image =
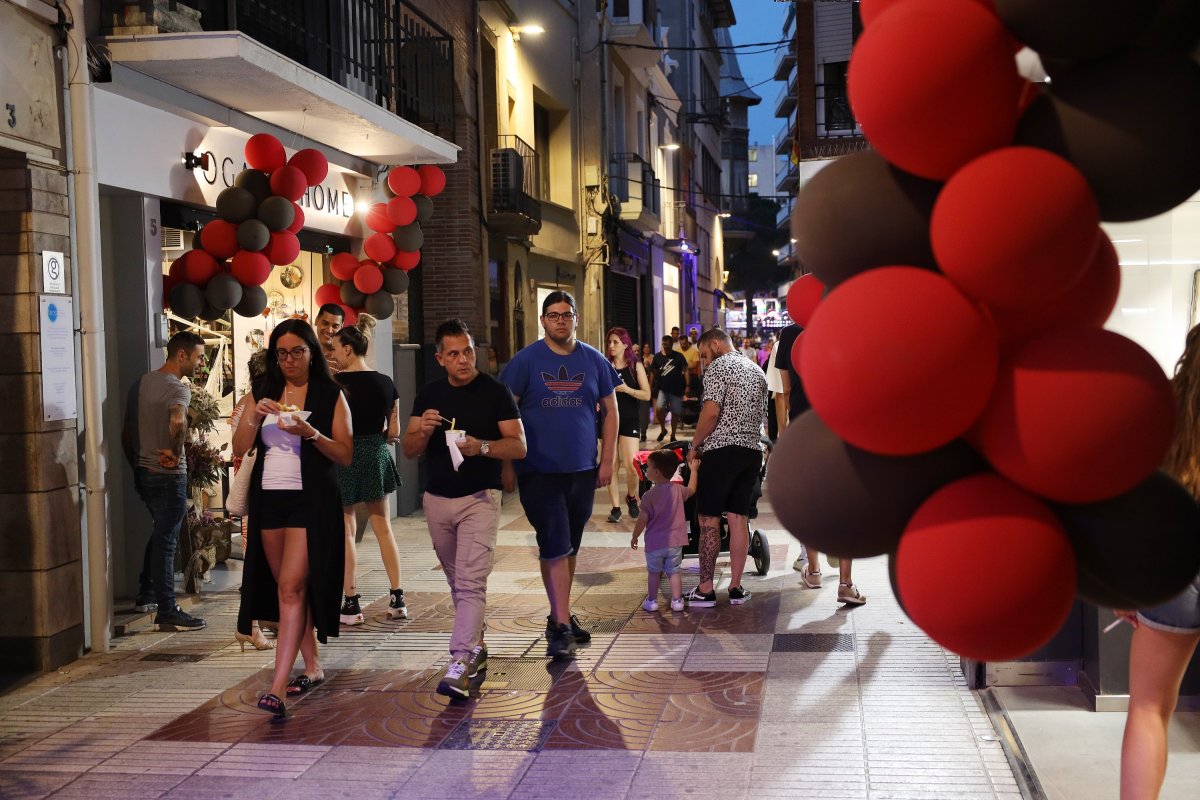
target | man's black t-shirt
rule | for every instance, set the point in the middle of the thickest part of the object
(671, 370)
(477, 408)
(797, 399)
(371, 396)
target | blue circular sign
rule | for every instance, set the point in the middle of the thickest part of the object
(52, 312)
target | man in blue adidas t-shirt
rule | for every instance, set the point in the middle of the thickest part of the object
(558, 382)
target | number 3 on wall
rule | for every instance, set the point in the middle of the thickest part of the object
(12, 114)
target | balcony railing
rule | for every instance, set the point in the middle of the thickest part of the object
(632, 181)
(517, 171)
(383, 50)
(834, 115)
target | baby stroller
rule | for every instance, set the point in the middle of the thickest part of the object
(759, 551)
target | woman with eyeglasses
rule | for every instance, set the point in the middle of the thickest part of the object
(295, 554)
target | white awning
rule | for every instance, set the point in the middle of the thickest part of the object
(229, 68)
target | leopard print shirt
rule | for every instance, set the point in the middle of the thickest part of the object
(739, 387)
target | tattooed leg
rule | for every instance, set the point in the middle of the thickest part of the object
(710, 546)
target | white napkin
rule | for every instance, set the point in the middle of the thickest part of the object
(456, 458)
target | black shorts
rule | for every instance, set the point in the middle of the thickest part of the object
(281, 508)
(558, 506)
(728, 477)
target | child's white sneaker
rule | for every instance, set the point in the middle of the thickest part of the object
(677, 604)
(650, 604)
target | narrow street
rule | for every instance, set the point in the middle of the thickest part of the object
(788, 696)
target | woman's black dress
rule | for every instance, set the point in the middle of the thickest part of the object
(326, 535)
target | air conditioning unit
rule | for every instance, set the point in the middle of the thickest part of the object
(507, 179)
(172, 239)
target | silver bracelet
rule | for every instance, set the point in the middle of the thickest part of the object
(316, 435)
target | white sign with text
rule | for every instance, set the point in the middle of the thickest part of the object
(58, 358)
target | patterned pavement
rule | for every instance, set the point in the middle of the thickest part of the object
(790, 695)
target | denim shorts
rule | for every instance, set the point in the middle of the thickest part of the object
(665, 560)
(1180, 615)
(558, 505)
(673, 402)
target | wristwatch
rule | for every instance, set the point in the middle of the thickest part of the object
(484, 448)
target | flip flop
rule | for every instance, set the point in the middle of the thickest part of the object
(302, 684)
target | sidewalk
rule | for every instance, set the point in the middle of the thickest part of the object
(788, 696)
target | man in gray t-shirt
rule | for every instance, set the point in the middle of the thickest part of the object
(155, 428)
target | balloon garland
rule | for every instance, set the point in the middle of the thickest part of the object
(392, 250)
(256, 226)
(971, 418)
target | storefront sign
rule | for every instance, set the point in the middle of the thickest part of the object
(58, 358)
(54, 273)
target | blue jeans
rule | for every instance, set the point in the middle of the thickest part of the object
(165, 495)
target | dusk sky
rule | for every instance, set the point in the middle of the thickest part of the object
(760, 21)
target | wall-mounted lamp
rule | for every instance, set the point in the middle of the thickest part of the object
(724, 215)
(363, 206)
(775, 253)
(194, 160)
(671, 146)
(532, 30)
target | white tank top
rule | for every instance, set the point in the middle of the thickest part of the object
(281, 463)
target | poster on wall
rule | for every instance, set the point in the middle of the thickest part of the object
(58, 358)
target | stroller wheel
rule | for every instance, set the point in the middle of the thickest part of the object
(760, 551)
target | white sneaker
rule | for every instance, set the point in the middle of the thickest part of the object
(849, 594)
(677, 604)
(650, 604)
(801, 563)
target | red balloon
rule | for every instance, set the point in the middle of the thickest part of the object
(1089, 302)
(298, 220)
(250, 268)
(284, 248)
(404, 181)
(219, 238)
(1015, 228)
(378, 219)
(176, 270)
(433, 180)
(1078, 416)
(368, 279)
(199, 267)
(351, 316)
(169, 282)
(797, 352)
(401, 211)
(949, 583)
(897, 362)
(380, 247)
(802, 298)
(288, 182)
(312, 163)
(923, 63)
(405, 260)
(265, 152)
(329, 293)
(343, 266)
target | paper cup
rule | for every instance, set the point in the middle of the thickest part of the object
(455, 436)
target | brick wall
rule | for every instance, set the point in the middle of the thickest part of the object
(453, 258)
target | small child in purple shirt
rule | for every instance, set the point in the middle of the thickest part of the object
(663, 520)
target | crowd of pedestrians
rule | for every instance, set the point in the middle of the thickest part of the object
(563, 420)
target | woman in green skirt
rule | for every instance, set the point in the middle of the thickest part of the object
(371, 476)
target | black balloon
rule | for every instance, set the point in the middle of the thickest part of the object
(211, 312)
(253, 235)
(187, 300)
(380, 305)
(859, 213)
(223, 292)
(255, 182)
(1076, 29)
(424, 208)
(254, 300)
(277, 213)
(848, 502)
(409, 238)
(1128, 123)
(351, 296)
(395, 281)
(1138, 549)
(235, 204)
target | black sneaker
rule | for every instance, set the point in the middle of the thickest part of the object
(177, 620)
(662, 435)
(632, 502)
(144, 605)
(396, 607)
(699, 599)
(560, 644)
(351, 613)
(614, 515)
(581, 636)
(738, 595)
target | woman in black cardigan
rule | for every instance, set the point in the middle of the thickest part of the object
(293, 567)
